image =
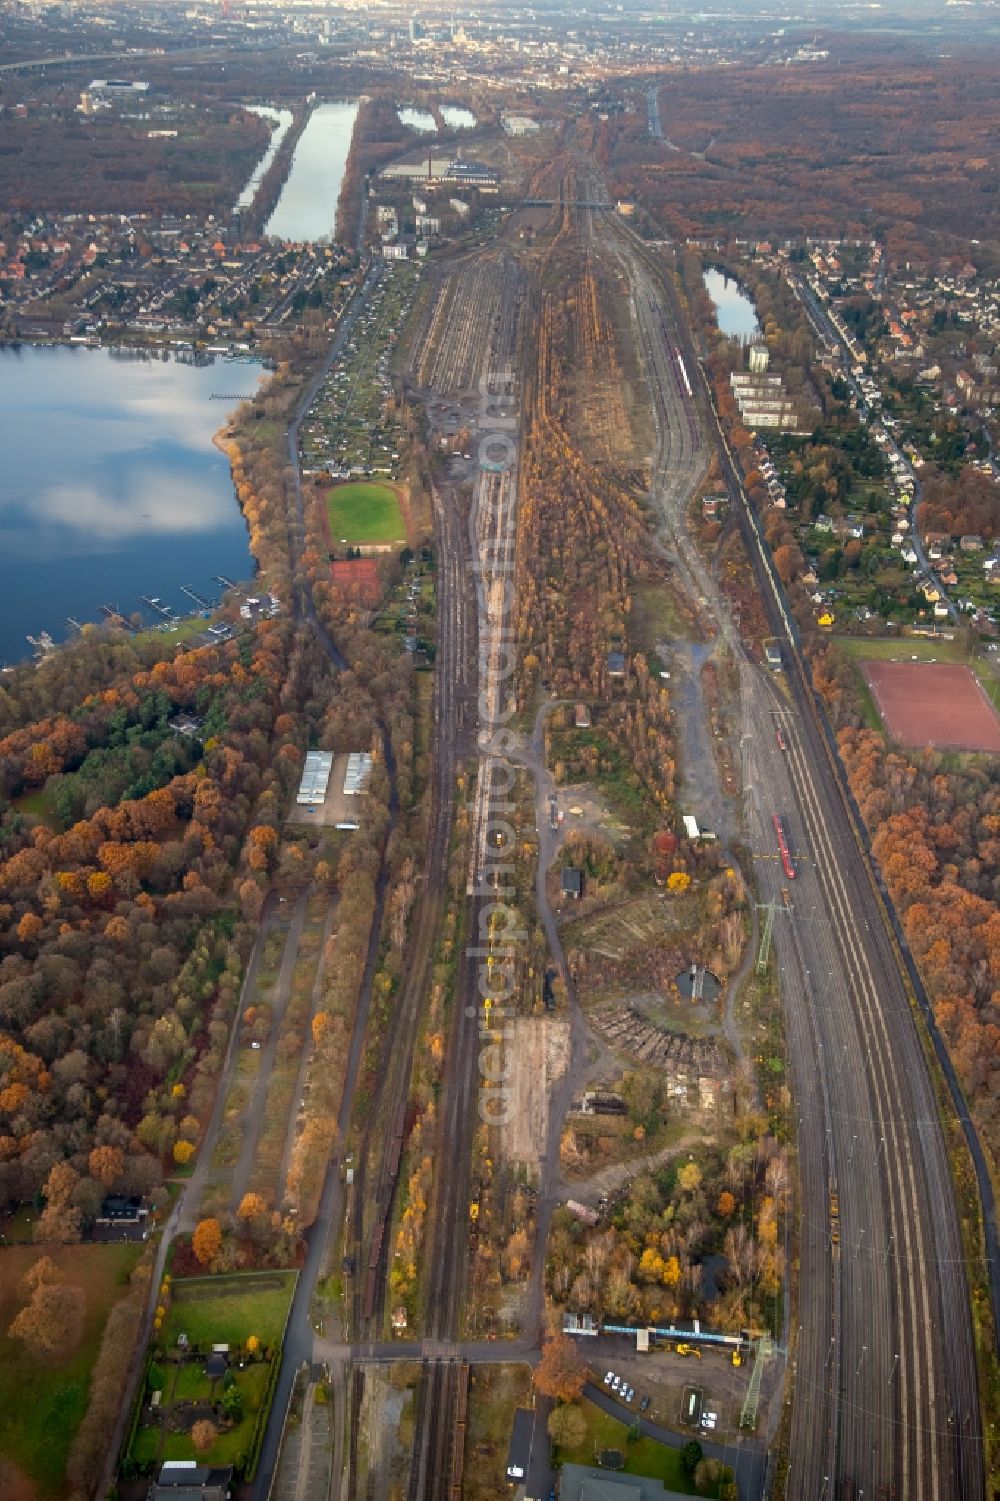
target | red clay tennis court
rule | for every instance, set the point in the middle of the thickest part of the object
(933, 703)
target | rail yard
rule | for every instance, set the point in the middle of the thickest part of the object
(882, 1397)
(883, 1402)
(504, 1000)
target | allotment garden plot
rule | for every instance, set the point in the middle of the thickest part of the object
(353, 428)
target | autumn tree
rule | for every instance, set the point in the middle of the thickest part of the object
(567, 1425)
(105, 1164)
(689, 1177)
(41, 1271)
(203, 1435)
(707, 1475)
(252, 1208)
(59, 1222)
(561, 1372)
(51, 1323)
(206, 1241)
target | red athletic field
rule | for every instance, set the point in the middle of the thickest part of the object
(933, 703)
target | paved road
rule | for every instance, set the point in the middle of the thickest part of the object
(253, 1117)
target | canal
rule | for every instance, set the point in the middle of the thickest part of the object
(734, 312)
(282, 119)
(112, 487)
(307, 208)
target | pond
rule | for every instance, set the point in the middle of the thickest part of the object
(696, 983)
(111, 486)
(416, 119)
(734, 311)
(458, 118)
(307, 208)
(282, 121)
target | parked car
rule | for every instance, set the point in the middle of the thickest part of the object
(644, 1404)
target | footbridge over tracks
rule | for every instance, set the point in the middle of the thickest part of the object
(564, 203)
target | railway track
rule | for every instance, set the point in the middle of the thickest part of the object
(885, 1387)
(453, 358)
(382, 1146)
(439, 1442)
(884, 1397)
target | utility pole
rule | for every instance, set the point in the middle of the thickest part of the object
(764, 952)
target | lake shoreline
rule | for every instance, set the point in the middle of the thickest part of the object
(124, 500)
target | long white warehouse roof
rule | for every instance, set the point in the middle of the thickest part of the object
(315, 777)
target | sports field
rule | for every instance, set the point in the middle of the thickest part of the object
(364, 512)
(933, 703)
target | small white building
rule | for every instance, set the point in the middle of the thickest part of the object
(520, 125)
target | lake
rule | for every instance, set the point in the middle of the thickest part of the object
(416, 119)
(111, 486)
(283, 119)
(458, 118)
(307, 208)
(734, 312)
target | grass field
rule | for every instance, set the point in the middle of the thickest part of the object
(39, 805)
(41, 1405)
(901, 648)
(223, 1310)
(859, 649)
(226, 1310)
(642, 1457)
(364, 512)
(187, 1383)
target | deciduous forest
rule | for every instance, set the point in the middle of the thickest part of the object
(855, 145)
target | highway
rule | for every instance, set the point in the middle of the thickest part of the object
(883, 1375)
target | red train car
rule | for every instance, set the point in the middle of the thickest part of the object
(786, 859)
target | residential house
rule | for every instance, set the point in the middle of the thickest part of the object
(187, 1480)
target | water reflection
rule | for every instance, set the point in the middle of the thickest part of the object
(111, 486)
(457, 117)
(734, 312)
(307, 208)
(283, 119)
(416, 119)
